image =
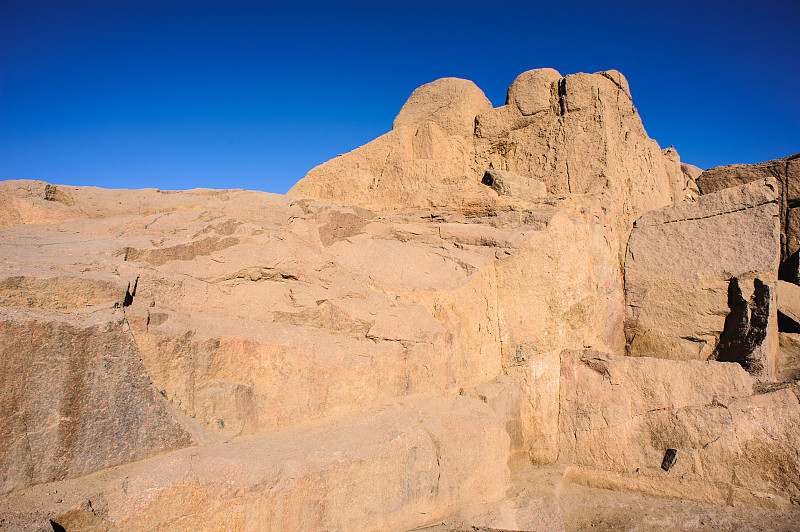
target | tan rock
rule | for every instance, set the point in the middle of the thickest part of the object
(511, 184)
(75, 398)
(450, 103)
(585, 143)
(391, 468)
(678, 291)
(622, 414)
(789, 357)
(786, 172)
(788, 296)
(531, 91)
(578, 134)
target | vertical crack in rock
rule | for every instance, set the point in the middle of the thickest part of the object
(562, 95)
(745, 326)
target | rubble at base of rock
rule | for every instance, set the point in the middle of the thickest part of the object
(472, 321)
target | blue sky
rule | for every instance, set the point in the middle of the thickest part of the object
(243, 94)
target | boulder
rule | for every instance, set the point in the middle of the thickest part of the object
(426, 160)
(786, 172)
(621, 416)
(578, 134)
(450, 103)
(690, 270)
(531, 91)
(788, 295)
(789, 357)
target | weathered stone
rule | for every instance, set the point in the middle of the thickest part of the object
(578, 134)
(427, 160)
(620, 414)
(75, 398)
(680, 266)
(450, 103)
(314, 352)
(789, 357)
(732, 175)
(786, 173)
(503, 396)
(511, 184)
(532, 91)
(788, 300)
(384, 469)
(585, 143)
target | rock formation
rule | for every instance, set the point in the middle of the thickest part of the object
(419, 323)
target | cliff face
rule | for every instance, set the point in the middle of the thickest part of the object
(467, 295)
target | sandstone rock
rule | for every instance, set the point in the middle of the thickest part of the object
(788, 295)
(578, 134)
(620, 414)
(584, 143)
(503, 396)
(677, 291)
(426, 160)
(511, 184)
(531, 91)
(450, 103)
(252, 311)
(385, 469)
(75, 398)
(786, 172)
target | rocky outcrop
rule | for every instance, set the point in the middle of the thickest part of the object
(425, 161)
(786, 172)
(382, 469)
(221, 358)
(700, 279)
(620, 417)
(578, 134)
(75, 398)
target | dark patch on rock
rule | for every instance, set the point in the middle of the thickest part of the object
(745, 326)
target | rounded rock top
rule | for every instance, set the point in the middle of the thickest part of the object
(452, 103)
(530, 92)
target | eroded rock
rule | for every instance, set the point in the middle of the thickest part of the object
(679, 271)
(619, 415)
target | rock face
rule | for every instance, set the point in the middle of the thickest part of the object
(578, 134)
(786, 172)
(511, 184)
(376, 470)
(421, 316)
(702, 257)
(76, 398)
(425, 161)
(622, 414)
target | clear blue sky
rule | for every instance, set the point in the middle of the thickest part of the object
(180, 94)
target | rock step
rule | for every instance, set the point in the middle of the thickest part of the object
(394, 467)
